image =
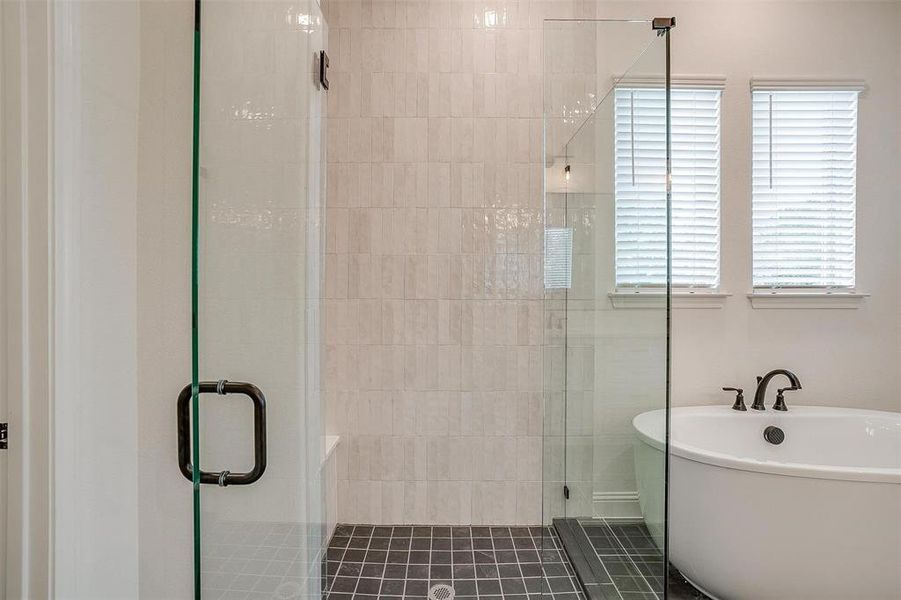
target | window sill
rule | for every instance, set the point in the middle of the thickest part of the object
(806, 299)
(681, 298)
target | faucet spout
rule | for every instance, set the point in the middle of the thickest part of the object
(762, 382)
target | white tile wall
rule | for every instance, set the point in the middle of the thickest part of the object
(433, 270)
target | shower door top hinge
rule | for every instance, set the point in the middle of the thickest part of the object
(4, 434)
(663, 24)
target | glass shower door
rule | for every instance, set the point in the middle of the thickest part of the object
(606, 302)
(249, 424)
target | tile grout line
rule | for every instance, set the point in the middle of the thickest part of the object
(603, 564)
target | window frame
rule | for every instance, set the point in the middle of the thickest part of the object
(807, 296)
(690, 295)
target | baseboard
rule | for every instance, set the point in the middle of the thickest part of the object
(616, 505)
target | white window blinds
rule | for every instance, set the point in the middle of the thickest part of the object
(558, 257)
(641, 187)
(804, 172)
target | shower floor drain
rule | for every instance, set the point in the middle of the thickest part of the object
(441, 591)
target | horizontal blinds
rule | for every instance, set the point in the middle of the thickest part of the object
(558, 261)
(640, 173)
(804, 179)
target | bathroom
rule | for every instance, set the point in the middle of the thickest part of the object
(406, 280)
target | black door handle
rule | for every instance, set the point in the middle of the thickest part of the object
(183, 413)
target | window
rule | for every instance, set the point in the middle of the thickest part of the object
(641, 190)
(804, 171)
(558, 257)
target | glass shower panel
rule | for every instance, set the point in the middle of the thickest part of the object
(605, 347)
(258, 216)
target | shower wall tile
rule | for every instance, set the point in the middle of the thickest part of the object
(433, 311)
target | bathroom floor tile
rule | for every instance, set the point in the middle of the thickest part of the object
(479, 563)
(618, 559)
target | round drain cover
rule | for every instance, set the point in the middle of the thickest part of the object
(774, 435)
(441, 591)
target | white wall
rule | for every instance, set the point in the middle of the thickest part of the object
(843, 357)
(164, 294)
(95, 422)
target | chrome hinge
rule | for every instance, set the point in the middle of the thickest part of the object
(4, 434)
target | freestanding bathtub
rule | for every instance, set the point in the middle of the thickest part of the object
(817, 516)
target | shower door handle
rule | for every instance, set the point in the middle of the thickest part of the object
(183, 412)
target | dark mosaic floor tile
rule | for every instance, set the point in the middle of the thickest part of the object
(372, 570)
(344, 584)
(509, 570)
(466, 587)
(417, 587)
(483, 543)
(531, 569)
(464, 571)
(418, 543)
(368, 586)
(418, 571)
(462, 544)
(392, 587)
(503, 543)
(396, 571)
(480, 563)
(513, 586)
(348, 569)
(379, 543)
(381, 532)
(488, 587)
(443, 544)
(487, 571)
(440, 572)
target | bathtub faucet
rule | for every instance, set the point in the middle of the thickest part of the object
(762, 382)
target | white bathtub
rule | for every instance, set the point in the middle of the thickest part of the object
(816, 517)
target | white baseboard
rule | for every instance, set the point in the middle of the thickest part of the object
(616, 505)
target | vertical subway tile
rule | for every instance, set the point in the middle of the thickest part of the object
(432, 326)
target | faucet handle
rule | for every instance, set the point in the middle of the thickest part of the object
(780, 399)
(739, 398)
